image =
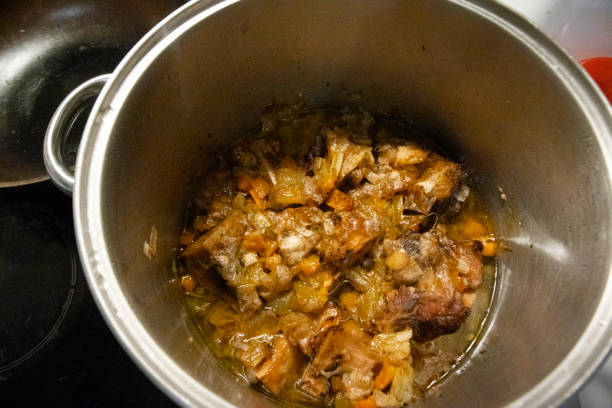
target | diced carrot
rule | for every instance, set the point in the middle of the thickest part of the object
(258, 243)
(258, 200)
(188, 283)
(473, 229)
(271, 247)
(385, 376)
(339, 201)
(272, 262)
(259, 190)
(309, 265)
(366, 403)
(244, 182)
(261, 187)
(489, 247)
(254, 242)
(186, 238)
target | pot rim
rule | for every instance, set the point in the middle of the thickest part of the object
(589, 351)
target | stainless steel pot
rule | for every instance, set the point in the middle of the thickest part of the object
(474, 75)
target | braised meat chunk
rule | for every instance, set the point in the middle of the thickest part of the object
(323, 252)
(276, 370)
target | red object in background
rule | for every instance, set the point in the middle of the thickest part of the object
(600, 69)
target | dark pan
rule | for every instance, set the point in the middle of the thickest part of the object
(47, 48)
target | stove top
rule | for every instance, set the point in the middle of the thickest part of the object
(56, 348)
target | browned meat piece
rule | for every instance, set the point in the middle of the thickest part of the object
(315, 379)
(297, 328)
(221, 245)
(306, 332)
(438, 315)
(248, 299)
(443, 270)
(357, 351)
(343, 350)
(402, 308)
(436, 183)
(459, 259)
(212, 200)
(440, 179)
(218, 209)
(430, 314)
(431, 305)
(346, 237)
(280, 367)
(385, 181)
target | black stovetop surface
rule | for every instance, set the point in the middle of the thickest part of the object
(82, 364)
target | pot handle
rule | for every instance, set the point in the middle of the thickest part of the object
(57, 131)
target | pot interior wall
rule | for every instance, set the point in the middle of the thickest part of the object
(471, 85)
